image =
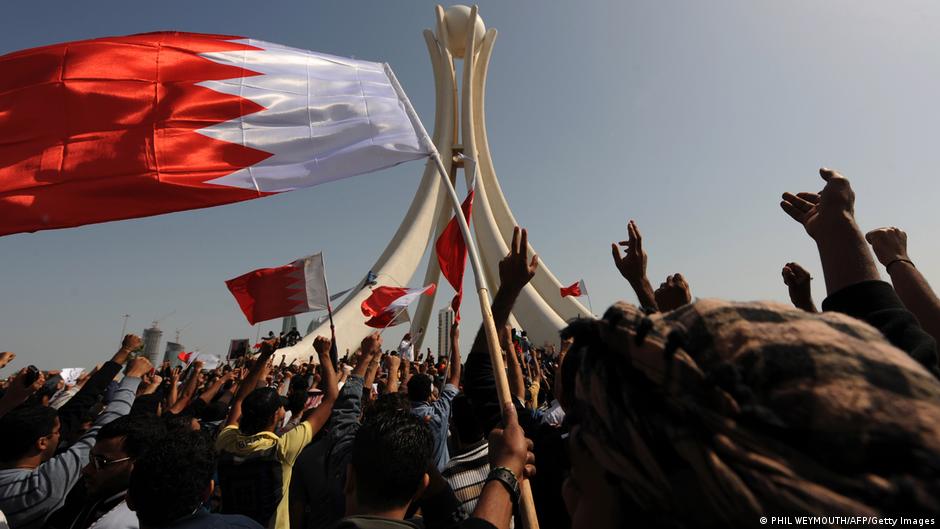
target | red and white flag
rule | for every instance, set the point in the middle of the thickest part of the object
(125, 127)
(452, 252)
(269, 293)
(385, 305)
(576, 290)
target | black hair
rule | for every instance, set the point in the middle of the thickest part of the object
(258, 410)
(215, 411)
(386, 402)
(176, 423)
(22, 427)
(171, 479)
(391, 454)
(140, 432)
(464, 419)
(419, 387)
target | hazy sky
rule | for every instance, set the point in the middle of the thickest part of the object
(690, 117)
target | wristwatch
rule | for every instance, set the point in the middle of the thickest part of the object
(507, 478)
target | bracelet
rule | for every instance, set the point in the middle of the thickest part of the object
(508, 479)
(908, 261)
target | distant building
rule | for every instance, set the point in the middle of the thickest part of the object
(445, 318)
(152, 344)
(173, 351)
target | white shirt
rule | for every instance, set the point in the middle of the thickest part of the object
(120, 517)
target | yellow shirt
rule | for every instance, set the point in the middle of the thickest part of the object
(289, 446)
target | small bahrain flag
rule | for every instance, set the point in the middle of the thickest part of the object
(452, 252)
(576, 290)
(385, 304)
(125, 127)
(269, 293)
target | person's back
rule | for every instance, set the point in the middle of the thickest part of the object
(255, 463)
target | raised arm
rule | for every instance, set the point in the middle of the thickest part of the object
(632, 266)
(18, 391)
(329, 384)
(515, 271)
(189, 389)
(251, 381)
(890, 246)
(216, 385)
(454, 362)
(852, 281)
(797, 280)
(516, 380)
(394, 362)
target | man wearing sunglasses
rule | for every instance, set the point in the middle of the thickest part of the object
(108, 472)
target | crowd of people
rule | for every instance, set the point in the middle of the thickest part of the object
(671, 413)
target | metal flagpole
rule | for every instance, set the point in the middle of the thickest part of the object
(334, 353)
(527, 504)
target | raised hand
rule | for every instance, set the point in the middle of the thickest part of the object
(889, 244)
(321, 345)
(5, 358)
(516, 269)
(509, 447)
(139, 367)
(372, 344)
(821, 213)
(797, 280)
(673, 293)
(632, 265)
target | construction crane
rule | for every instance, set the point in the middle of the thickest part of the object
(165, 316)
(180, 330)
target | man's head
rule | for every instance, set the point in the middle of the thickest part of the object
(29, 432)
(117, 447)
(172, 479)
(261, 410)
(419, 388)
(390, 460)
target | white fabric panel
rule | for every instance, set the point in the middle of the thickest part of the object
(325, 118)
(315, 277)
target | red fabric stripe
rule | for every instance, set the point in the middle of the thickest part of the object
(265, 294)
(452, 253)
(105, 129)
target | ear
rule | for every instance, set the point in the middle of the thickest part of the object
(425, 481)
(206, 494)
(41, 444)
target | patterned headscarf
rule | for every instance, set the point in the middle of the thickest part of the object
(722, 412)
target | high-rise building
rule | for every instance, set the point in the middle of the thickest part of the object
(172, 354)
(152, 344)
(445, 318)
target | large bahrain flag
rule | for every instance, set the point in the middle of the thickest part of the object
(124, 127)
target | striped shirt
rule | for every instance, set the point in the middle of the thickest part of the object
(467, 473)
(29, 496)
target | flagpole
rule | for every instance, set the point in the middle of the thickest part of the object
(590, 306)
(527, 503)
(334, 352)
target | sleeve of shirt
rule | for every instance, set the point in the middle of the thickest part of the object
(293, 442)
(345, 423)
(877, 303)
(442, 405)
(63, 471)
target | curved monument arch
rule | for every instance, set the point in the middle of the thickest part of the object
(459, 128)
